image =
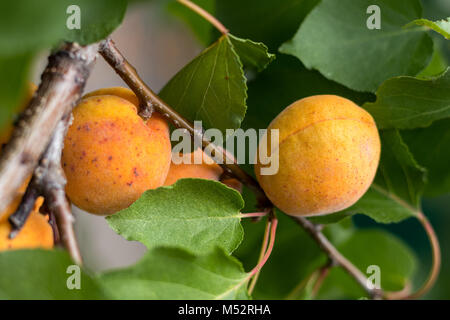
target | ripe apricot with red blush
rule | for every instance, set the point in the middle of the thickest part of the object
(111, 155)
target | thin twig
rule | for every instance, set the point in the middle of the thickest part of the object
(336, 257)
(60, 88)
(51, 179)
(205, 14)
(18, 218)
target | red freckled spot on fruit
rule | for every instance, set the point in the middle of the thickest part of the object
(109, 158)
(136, 174)
(130, 183)
(94, 160)
(72, 168)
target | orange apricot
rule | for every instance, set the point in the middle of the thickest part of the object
(205, 168)
(328, 151)
(111, 156)
(233, 184)
(36, 233)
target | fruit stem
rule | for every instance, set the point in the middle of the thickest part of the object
(435, 267)
(205, 14)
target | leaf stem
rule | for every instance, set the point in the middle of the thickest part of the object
(273, 230)
(261, 255)
(435, 267)
(300, 286)
(205, 14)
(322, 275)
(253, 214)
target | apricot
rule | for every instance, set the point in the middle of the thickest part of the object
(207, 169)
(328, 150)
(121, 92)
(36, 233)
(233, 184)
(111, 156)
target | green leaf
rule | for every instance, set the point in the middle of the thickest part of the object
(365, 248)
(42, 275)
(440, 26)
(431, 147)
(267, 21)
(437, 65)
(211, 88)
(284, 81)
(28, 25)
(194, 214)
(13, 81)
(98, 19)
(166, 273)
(395, 193)
(201, 28)
(375, 247)
(400, 181)
(407, 102)
(335, 40)
(398, 172)
(253, 55)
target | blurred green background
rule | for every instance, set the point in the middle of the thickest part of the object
(436, 209)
